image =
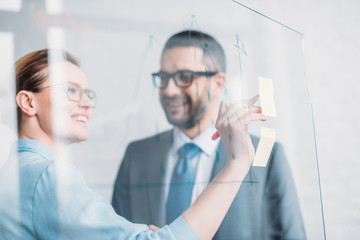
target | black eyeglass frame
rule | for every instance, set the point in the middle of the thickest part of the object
(173, 76)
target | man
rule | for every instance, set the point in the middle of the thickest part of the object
(151, 189)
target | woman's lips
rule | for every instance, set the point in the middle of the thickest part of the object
(80, 118)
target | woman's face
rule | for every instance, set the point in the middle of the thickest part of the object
(63, 109)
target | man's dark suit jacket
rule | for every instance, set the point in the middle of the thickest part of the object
(266, 206)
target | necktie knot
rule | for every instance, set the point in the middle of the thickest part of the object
(188, 150)
(186, 154)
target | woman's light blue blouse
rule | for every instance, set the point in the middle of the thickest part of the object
(45, 198)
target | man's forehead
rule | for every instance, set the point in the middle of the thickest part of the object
(186, 50)
(182, 57)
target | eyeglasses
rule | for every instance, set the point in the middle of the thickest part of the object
(74, 92)
(182, 78)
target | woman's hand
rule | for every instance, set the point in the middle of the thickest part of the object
(153, 228)
(232, 126)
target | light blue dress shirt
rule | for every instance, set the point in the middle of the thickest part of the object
(45, 198)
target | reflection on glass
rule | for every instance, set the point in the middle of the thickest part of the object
(7, 112)
(54, 6)
(13, 5)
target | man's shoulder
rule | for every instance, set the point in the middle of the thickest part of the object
(158, 140)
(146, 149)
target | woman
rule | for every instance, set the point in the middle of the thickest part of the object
(45, 198)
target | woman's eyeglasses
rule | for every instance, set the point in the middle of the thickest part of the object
(74, 92)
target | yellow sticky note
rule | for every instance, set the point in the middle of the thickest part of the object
(266, 93)
(265, 146)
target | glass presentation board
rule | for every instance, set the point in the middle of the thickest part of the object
(120, 45)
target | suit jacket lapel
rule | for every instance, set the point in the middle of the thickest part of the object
(156, 178)
(220, 162)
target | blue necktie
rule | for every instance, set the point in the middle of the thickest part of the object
(182, 183)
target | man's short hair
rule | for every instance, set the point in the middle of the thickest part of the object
(213, 52)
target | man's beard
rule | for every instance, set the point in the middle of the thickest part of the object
(192, 115)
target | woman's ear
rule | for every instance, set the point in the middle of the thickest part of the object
(218, 84)
(25, 101)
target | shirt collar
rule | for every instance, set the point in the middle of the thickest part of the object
(34, 146)
(203, 140)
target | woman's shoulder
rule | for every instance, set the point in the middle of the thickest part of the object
(37, 163)
(46, 175)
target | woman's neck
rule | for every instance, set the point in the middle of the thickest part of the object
(36, 133)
